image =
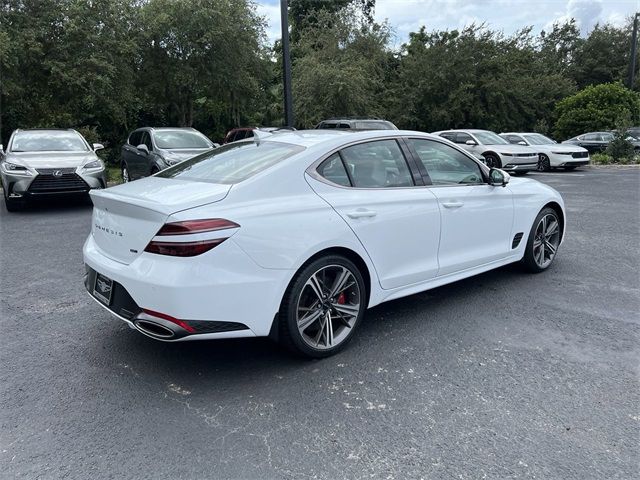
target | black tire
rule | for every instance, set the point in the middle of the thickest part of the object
(124, 171)
(13, 205)
(491, 160)
(531, 260)
(290, 335)
(544, 165)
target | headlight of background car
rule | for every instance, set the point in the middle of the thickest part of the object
(96, 164)
(15, 169)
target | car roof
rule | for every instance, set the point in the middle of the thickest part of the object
(19, 130)
(313, 137)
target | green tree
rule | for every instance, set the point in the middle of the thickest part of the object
(202, 63)
(339, 68)
(597, 107)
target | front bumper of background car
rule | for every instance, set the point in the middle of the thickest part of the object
(568, 159)
(52, 181)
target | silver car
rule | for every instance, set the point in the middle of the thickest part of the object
(45, 162)
(497, 152)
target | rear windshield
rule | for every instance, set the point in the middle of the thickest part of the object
(373, 125)
(176, 139)
(232, 163)
(48, 141)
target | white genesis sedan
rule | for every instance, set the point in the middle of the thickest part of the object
(294, 235)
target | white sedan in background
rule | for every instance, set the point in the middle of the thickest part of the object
(551, 154)
(495, 150)
(294, 235)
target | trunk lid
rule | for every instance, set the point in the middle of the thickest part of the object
(126, 217)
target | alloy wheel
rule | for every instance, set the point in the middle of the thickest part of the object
(125, 174)
(546, 240)
(328, 307)
(543, 163)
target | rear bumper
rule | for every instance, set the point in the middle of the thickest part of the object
(219, 294)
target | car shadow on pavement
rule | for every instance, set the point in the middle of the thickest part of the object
(417, 318)
(46, 205)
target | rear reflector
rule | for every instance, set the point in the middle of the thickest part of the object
(196, 226)
(169, 318)
(183, 249)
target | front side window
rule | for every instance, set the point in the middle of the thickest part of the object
(490, 138)
(446, 165)
(462, 138)
(146, 139)
(514, 139)
(232, 163)
(539, 139)
(607, 137)
(177, 139)
(378, 164)
(48, 141)
(590, 137)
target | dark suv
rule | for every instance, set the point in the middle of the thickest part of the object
(149, 150)
(357, 124)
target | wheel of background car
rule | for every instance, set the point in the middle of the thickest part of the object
(322, 307)
(491, 160)
(544, 165)
(543, 242)
(125, 174)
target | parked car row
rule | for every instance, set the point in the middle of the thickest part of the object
(41, 162)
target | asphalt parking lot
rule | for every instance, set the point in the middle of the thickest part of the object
(505, 375)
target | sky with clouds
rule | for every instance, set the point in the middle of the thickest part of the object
(406, 16)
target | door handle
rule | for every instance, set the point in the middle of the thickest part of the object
(361, 213)
(452, 204)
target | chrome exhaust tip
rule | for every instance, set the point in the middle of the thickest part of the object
(154, 329)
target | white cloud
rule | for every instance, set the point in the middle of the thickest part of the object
(406, 16)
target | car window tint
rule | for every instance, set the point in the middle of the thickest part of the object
(607, 137)
(176, 139)
(232, 163)
(590, 137)
(333, 170)
(344, 125)
(48, 141)
(449, 136)
(462, 137)
(378, 164)
(134, 139)
(514, 139)
(446, 165)
(146, 139)
(328, 125)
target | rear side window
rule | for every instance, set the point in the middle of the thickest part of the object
(135, 138)
(378, 164)
(328, 125)
(333, 170)
(232, 163)
(446, 165)
(462, 137)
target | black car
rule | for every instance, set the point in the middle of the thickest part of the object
(357, 124)
(149, 150)
(597, 142)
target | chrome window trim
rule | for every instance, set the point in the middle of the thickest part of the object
(313, 172)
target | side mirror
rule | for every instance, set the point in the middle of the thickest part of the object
(471, 143)
(97, 146)
(522, 142)
(143, 148)
(498, 178)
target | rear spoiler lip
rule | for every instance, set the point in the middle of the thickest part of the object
(152, 205)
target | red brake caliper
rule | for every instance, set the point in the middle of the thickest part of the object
(342, 299)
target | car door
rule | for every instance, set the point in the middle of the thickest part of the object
(590, 141)
(397, 221)
(147, 163)
(476, 218)
(130, 153)
(461, 140)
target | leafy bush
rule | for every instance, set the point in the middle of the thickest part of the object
(596, 108)
(601, 159)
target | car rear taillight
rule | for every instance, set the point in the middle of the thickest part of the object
(196, 226)
(189, 227)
